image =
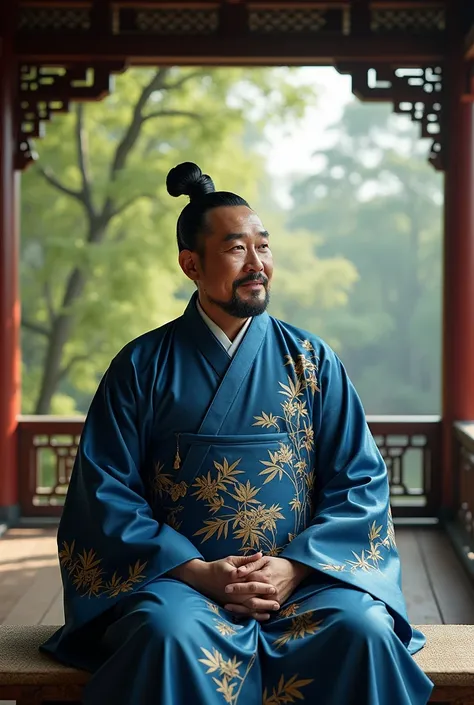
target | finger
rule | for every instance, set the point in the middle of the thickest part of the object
(239, 561)
(260, 576)
(250, 588)
(245, 611)
(251, 567)
(258, 604)
(255, 604)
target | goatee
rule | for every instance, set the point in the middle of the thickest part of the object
(246, 308)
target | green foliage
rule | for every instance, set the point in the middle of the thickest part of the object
(357, 261)
(98, 253)
(377, 201)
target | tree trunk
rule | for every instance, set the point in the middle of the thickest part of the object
(60, 333)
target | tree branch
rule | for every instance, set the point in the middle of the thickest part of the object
(128, 140)
(131, 135)
(51, 179)
(64, 371)
(35, 327)
(184, 79)
(126, 204)
(171, 113)
(49, 301)
(83, 160)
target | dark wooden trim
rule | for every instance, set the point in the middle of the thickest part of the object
(286, 49)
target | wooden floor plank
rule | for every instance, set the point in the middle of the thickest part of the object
(421, 603)
(451, 586)
(37, 598)
(55, 613)
(435, 586)
(23, 552)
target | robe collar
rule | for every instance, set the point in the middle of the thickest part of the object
(200, 334)
(230, 346)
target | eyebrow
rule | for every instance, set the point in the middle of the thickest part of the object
(241, 236)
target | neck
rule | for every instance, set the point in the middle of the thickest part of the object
(227, 323)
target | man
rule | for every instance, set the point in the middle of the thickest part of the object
(227, 535)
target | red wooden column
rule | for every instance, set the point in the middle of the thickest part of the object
(9, 298)
(458, 296)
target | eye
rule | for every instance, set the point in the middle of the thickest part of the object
(264, 245)
(237, 247)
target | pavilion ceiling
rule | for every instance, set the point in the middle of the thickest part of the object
(394, 50)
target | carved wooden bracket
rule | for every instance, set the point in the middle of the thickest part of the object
(416, 92)
(45, 90)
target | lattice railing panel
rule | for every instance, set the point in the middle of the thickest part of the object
(47, 449)
(48, 446)
(464, 467)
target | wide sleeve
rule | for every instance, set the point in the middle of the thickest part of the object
(351, 535)
(109, 541)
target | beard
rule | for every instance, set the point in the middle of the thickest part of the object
(245, 308)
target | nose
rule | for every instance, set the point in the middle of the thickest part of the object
(253, 262)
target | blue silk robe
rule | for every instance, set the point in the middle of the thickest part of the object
(186, 454)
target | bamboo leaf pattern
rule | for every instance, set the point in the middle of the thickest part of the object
(230, 680)
(286, 691)
(88, 577)
(233, 503)
(369, 558)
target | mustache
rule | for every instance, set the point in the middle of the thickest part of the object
(259, 278)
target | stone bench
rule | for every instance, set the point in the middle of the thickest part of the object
(32, 678)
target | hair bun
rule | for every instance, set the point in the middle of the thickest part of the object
(187, 179)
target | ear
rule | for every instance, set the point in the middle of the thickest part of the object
(189, 263)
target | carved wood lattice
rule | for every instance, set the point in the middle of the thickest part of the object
(45, 90)
(47, 450)
(414, 91)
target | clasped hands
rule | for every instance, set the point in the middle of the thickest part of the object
(249, 586)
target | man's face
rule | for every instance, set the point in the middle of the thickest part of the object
(236, 268)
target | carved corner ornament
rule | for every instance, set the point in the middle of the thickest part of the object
(45, 90)
(416, 92)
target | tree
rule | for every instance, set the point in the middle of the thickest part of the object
(98, 257)
(378, 203)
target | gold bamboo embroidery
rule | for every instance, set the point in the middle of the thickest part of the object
(286, 691)
(295, 461)
(237, 509)
(88, 576)
(225, 629)
(222, 625)
(289, 611)
(369, 558)
(302, 625)
(231, 679)
(165, 486)
(233, 503)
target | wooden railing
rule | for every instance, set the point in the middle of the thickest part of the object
(464, 474)
(47, 447)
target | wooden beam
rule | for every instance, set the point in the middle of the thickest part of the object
(229, 50)
(470, 44)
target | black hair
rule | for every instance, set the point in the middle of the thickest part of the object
(187, 179)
